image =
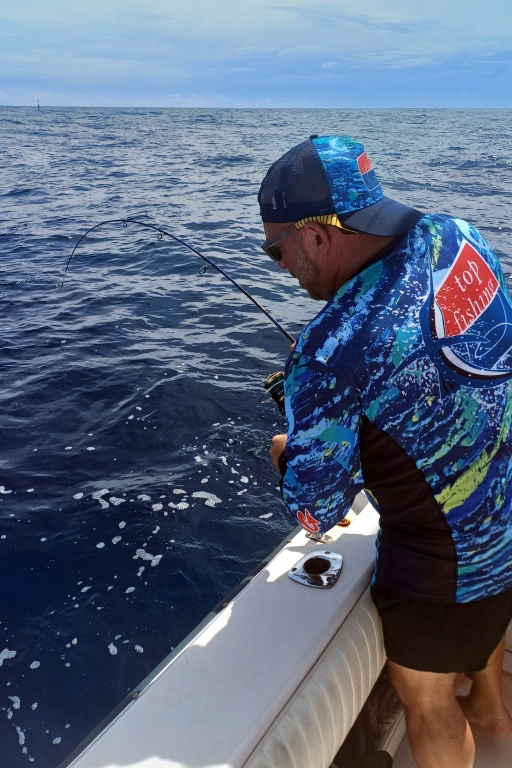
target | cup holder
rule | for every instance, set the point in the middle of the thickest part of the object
(318, 569)
(316, 565)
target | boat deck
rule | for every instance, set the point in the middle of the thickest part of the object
(491, 751)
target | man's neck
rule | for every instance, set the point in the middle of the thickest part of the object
(356, 251)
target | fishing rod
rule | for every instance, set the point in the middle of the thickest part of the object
(209, 262)
(274, 383)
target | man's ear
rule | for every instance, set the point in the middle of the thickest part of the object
(316, 240)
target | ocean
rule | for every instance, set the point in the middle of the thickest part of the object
(135, 484)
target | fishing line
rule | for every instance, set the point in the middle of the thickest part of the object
(209, 262)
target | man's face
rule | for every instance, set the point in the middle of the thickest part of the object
(295, 258)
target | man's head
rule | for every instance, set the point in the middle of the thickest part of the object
(324, 213)
(332, 175)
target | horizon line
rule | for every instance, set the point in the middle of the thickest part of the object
(182, 106)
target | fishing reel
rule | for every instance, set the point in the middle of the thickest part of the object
(274, 384)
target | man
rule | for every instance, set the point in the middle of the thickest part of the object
(402, 385)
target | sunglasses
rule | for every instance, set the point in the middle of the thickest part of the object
(270, 246)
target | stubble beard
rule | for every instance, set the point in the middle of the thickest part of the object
(308, 274)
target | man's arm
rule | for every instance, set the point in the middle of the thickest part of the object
(322, 472)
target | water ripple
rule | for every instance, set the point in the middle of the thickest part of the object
(131, 394)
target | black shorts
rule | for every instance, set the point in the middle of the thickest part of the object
(441, 637)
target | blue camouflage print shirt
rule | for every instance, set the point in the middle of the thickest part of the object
(402, 386)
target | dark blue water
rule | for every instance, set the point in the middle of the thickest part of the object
(135, 486)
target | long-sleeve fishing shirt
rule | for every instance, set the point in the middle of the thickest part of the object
(402, 386)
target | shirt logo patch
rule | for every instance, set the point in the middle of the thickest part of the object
(466, 324)
(464, 294)
(308, 521)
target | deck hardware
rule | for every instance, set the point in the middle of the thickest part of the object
(319, 569)
(323, 538)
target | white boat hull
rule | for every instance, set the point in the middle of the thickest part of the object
(275, 679)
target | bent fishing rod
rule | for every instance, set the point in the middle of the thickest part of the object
(208, 262)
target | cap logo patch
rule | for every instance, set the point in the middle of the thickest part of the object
(367, 173)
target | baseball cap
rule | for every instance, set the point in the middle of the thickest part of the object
(332, 175)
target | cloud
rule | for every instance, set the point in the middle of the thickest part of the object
(242, 51)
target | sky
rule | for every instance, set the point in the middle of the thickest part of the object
(248, 53)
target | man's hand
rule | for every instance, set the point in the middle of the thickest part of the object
(278, 445)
